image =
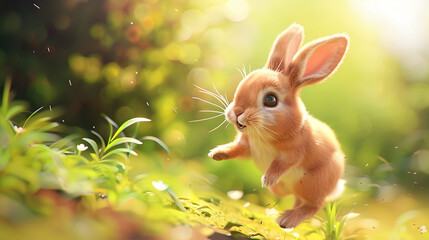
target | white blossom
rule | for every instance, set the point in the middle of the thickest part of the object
(81, 147)
(160, 185)
(18, 129)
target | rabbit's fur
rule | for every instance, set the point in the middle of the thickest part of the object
(297, 153)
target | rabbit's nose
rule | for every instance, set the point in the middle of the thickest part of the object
(238, 111)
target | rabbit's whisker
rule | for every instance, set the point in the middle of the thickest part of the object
(213, 104)
(210, 111)
(267, 129)
(204, 119)
(218, 97)
(269, 132)
(244, 71)
(226, 99)
(260, 137)
(241, 73)
(214, 129)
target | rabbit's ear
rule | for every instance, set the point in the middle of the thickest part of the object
(318, 59)
(285, 47)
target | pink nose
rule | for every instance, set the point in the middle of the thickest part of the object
(238, 111)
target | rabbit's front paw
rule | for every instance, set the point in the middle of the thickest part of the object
(218, 154)
(269, 180)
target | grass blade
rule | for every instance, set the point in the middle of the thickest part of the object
(129, 123)
(119, 150)
(111, 125)
(175, 199)
(5, 100)
(157, 140)
(93, 145)
(103, 144)
(120, 141)
(14, 110)
(40, 108)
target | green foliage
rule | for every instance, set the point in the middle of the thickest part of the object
(333, 227)
(34, 157)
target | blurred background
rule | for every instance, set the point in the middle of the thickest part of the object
(135, 58)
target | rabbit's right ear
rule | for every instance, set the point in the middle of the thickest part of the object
(317, 60)
(285, 47)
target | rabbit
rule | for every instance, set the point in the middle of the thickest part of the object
(297, 153)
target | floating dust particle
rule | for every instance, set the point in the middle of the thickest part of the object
(36, 6)
(70, 83)
(50, 108)
(49, 50)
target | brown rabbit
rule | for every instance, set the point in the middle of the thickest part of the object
(297, 153)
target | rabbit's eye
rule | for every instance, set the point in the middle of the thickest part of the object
(270, 100)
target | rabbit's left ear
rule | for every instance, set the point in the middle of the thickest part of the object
(284, 48)
(317, 60)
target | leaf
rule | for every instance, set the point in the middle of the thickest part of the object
(115, 163)
(120, 141)
(31, 115)
(175, 199)
(157, 140)
(103, 144)
(120, 150)
(13, 111)
(111, 125)
(94, 156)
(49, 126)
(93, 145)
(5, 100)
(129, 123)
(62, 142)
